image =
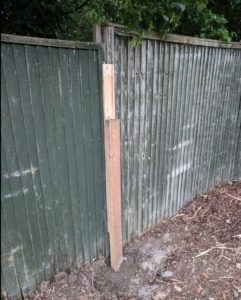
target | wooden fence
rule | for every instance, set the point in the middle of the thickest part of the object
(53, 213)
(178, 99)
(179, 109)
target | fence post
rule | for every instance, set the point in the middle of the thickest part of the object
(105, 35)
(113, 185)
(112, 146)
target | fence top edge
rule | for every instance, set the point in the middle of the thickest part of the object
(175, 38)
(18, 39)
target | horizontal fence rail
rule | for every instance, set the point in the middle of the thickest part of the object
(53, 214)
(178, 100)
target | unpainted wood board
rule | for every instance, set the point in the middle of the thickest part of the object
(108, 91)
(113, 187)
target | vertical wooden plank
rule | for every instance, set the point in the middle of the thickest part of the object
(61, 170)
(108, 39)
(113, 187)
(108, 91)
(89, 148)
(113, 173)
(98, 149)
(97, 36)
(81, 206)
(74, 235)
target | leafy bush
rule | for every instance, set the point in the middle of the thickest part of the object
(73, 19)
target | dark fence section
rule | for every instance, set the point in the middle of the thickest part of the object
(53, 214)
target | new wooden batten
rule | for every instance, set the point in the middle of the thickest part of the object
(113, 168)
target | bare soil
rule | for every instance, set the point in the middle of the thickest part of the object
(196, 254)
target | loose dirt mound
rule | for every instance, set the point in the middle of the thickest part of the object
(196, 254)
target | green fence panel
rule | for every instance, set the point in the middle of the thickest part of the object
(53, 212)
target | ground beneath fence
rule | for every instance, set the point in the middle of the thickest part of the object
(196, 254)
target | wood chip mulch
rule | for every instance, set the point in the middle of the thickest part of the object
(196, 254)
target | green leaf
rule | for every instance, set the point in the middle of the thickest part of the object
(166, 18)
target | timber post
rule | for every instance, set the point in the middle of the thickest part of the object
(112, 146)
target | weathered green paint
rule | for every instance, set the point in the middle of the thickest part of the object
(178, 99)
(53, 191)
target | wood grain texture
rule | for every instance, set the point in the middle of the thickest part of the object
(108, 91)
(113, 169)
(108, 40)
(113, 190)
